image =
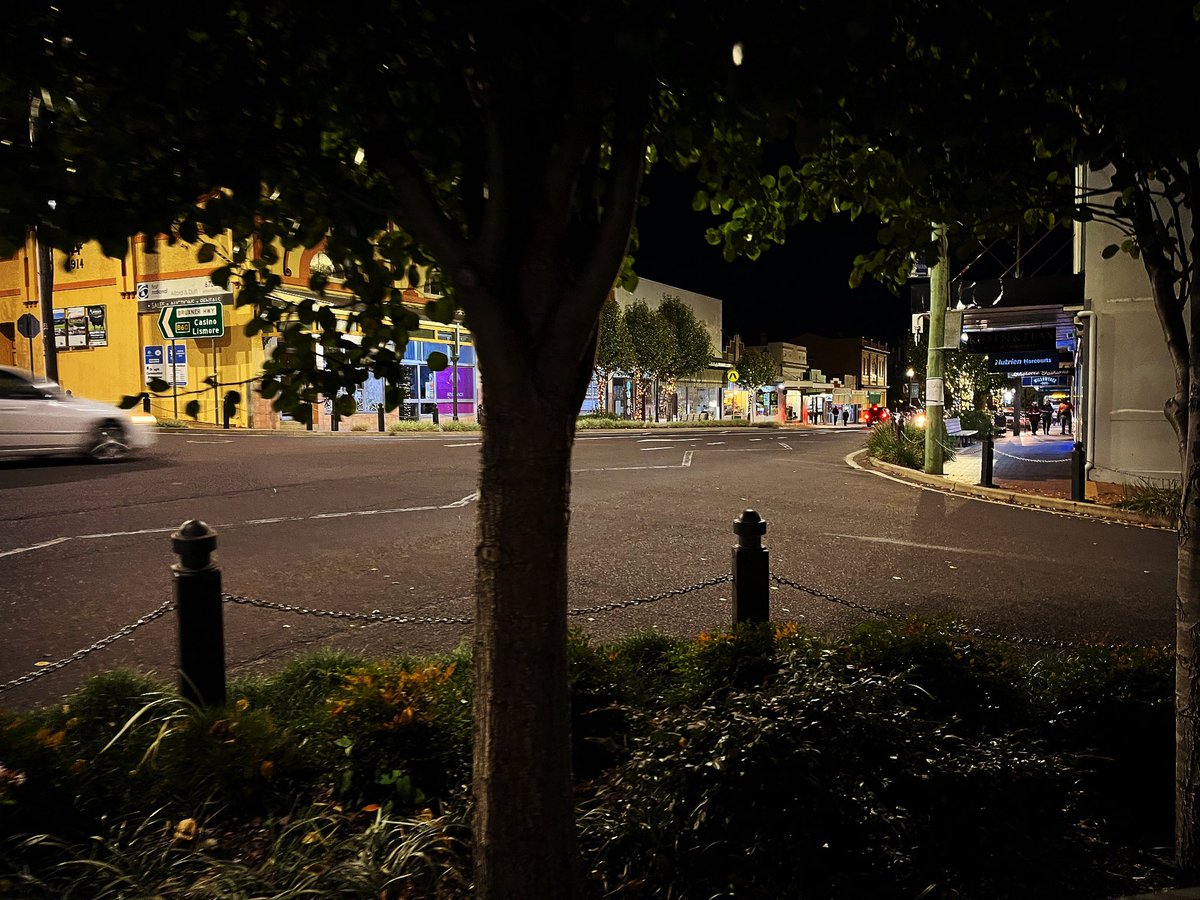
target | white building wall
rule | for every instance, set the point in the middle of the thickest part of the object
(1134, 378)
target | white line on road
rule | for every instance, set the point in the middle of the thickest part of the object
(210, 442)
(472, 444)
(667, 440)
(785, 445)
(918, 546)
(687, 461)
(34, 547)
(652, 449)
(456, 504)
(714, 443)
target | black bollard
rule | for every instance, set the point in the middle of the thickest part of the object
(1078, 479)
(198, 612)
(334, 421)
(751, 570)
(986, 459)
(145, 402)
(380, 413)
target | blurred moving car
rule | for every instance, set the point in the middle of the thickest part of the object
(37, 418)
(875, 414)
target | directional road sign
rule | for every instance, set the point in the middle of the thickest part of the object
(185, 322)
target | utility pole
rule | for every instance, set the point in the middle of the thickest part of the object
(939, 298)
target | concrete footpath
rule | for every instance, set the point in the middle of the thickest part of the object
(1028, 470)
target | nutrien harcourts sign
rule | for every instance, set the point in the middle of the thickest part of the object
(187, 322)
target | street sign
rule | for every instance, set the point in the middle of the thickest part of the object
(29, 326)
(187, 322)
(732, 375)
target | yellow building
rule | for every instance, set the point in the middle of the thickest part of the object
(109, 344)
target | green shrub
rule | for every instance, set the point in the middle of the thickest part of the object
(979, 420)
(1155, 498)
(884, 444)
(360, 426)
(830, 784)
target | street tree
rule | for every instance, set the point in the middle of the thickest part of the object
(505, 143)
(755, 368)
(654, 349)
(693, 348)
(614, 348)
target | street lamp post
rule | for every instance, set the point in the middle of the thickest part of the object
(454, 364)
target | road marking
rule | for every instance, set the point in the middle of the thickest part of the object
(34, 547)
(687, 462)
(785, 445)
(919, 546)
(714, 443)
(456, 504)
(671, 440)
(652, 449)
(473, 444)
(210, 442)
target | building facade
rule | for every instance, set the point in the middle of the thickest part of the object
(106, 329)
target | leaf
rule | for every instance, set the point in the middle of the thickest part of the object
(437, 361)
(345, 406)
(192, 408)
(158, 385)
(1110, 251)
(129, 401)
(206, 253)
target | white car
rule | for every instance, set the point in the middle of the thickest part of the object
(38, 418)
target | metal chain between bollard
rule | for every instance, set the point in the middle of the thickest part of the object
(653, 598)
(1033, 459)
(375, 616)
(959, 627)
(162, 610)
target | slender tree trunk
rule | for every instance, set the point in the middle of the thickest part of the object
(1187, 667)
(524, 818)
(1187, 613)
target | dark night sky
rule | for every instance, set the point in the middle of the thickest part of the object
(801, 285)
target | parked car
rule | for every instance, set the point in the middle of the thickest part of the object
(38, 418)
(875, 414)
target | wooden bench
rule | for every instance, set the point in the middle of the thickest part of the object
(955, 430)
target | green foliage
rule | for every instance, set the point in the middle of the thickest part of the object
(1156, 498)
(404, 426)
(693, 348)
(764, 760)
(883, 443)
(979, 420)
(833, 784)
(653, 341)
(614, 350)
(755, 368)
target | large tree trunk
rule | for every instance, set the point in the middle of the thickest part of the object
(524, 818)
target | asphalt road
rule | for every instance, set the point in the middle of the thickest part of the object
(362, 523)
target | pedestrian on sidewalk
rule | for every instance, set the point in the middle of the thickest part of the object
(1064, 417)
(845, 416)
(1047, 414)
(1035, 418)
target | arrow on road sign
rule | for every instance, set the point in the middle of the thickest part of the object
(186, 322)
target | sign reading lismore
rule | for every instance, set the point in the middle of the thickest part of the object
(154, 295)
(186, 322)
